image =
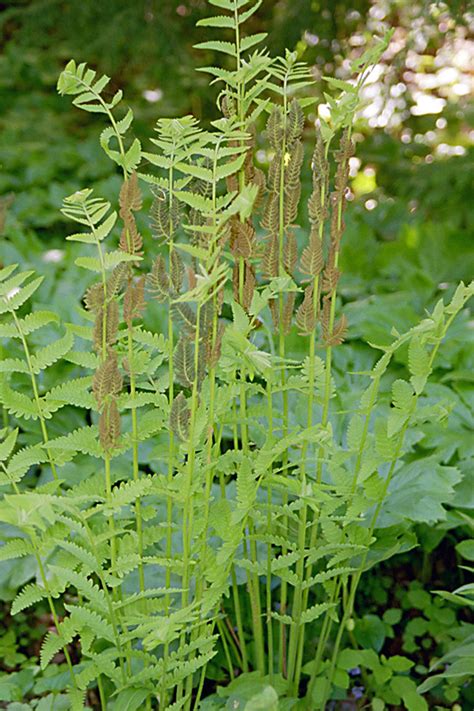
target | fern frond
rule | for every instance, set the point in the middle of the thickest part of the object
(54, 642)
(11, 299)
(16, 548)
(81, 555)
(83, 440)
(82, 618)
(314, 612)
(52, 353)
(28, 596)
(23, 460)
(29, 324)
(73, 392)
(19, 404)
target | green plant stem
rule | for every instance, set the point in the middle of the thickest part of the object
(233, 639)
(188, 514)
(4, 409)
(254, 583)
(103, 700)
(324, 423)
(171, 444)
(212, 378)
(297, 630)
(110, 604)
(297, 634)
(271, 663)
(253, 579)
(282, 354)
(236, 600)
(111, 522)
(135, 464)
(34, 385)
(54, 615)
(225, 646)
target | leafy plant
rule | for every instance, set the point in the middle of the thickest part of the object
(205, 456)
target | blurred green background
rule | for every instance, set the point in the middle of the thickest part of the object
(410, 220)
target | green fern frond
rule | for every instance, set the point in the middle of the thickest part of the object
(81, 555)
(8, 445)
(82, 618)
(84, 440)
(16, 548)
(127, 493)
(29, 324)
(73, 392)
(23, 460)
(28, 596)
(54, 642)
(86, 587)
(12, 299)
(19, 404)
(314, 612)
(52, 353)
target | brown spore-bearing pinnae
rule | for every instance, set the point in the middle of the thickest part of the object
(106, 387)
(279, 255)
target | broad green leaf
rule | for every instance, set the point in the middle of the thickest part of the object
(131, 699)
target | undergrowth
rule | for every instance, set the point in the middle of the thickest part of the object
(233, 503)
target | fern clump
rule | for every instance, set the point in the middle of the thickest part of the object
(225, 523)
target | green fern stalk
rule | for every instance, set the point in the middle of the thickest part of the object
(34, 386)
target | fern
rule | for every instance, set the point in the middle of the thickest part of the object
(28, 596)
(194, 472)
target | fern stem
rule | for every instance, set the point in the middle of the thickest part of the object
(302, 597)
(135, 465)
(108, 490)
(53, 610)
(253, 580)
(236, 600)
(324, 422)
(254, 583)
(110, 605)
(212, 378)
(223, 636)
(103, 700)
(297, 630)
(188, 514)
(282, 354)
(169, 501)
(4, 409)
(34, 385)
(169, 480)
(270, 643)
